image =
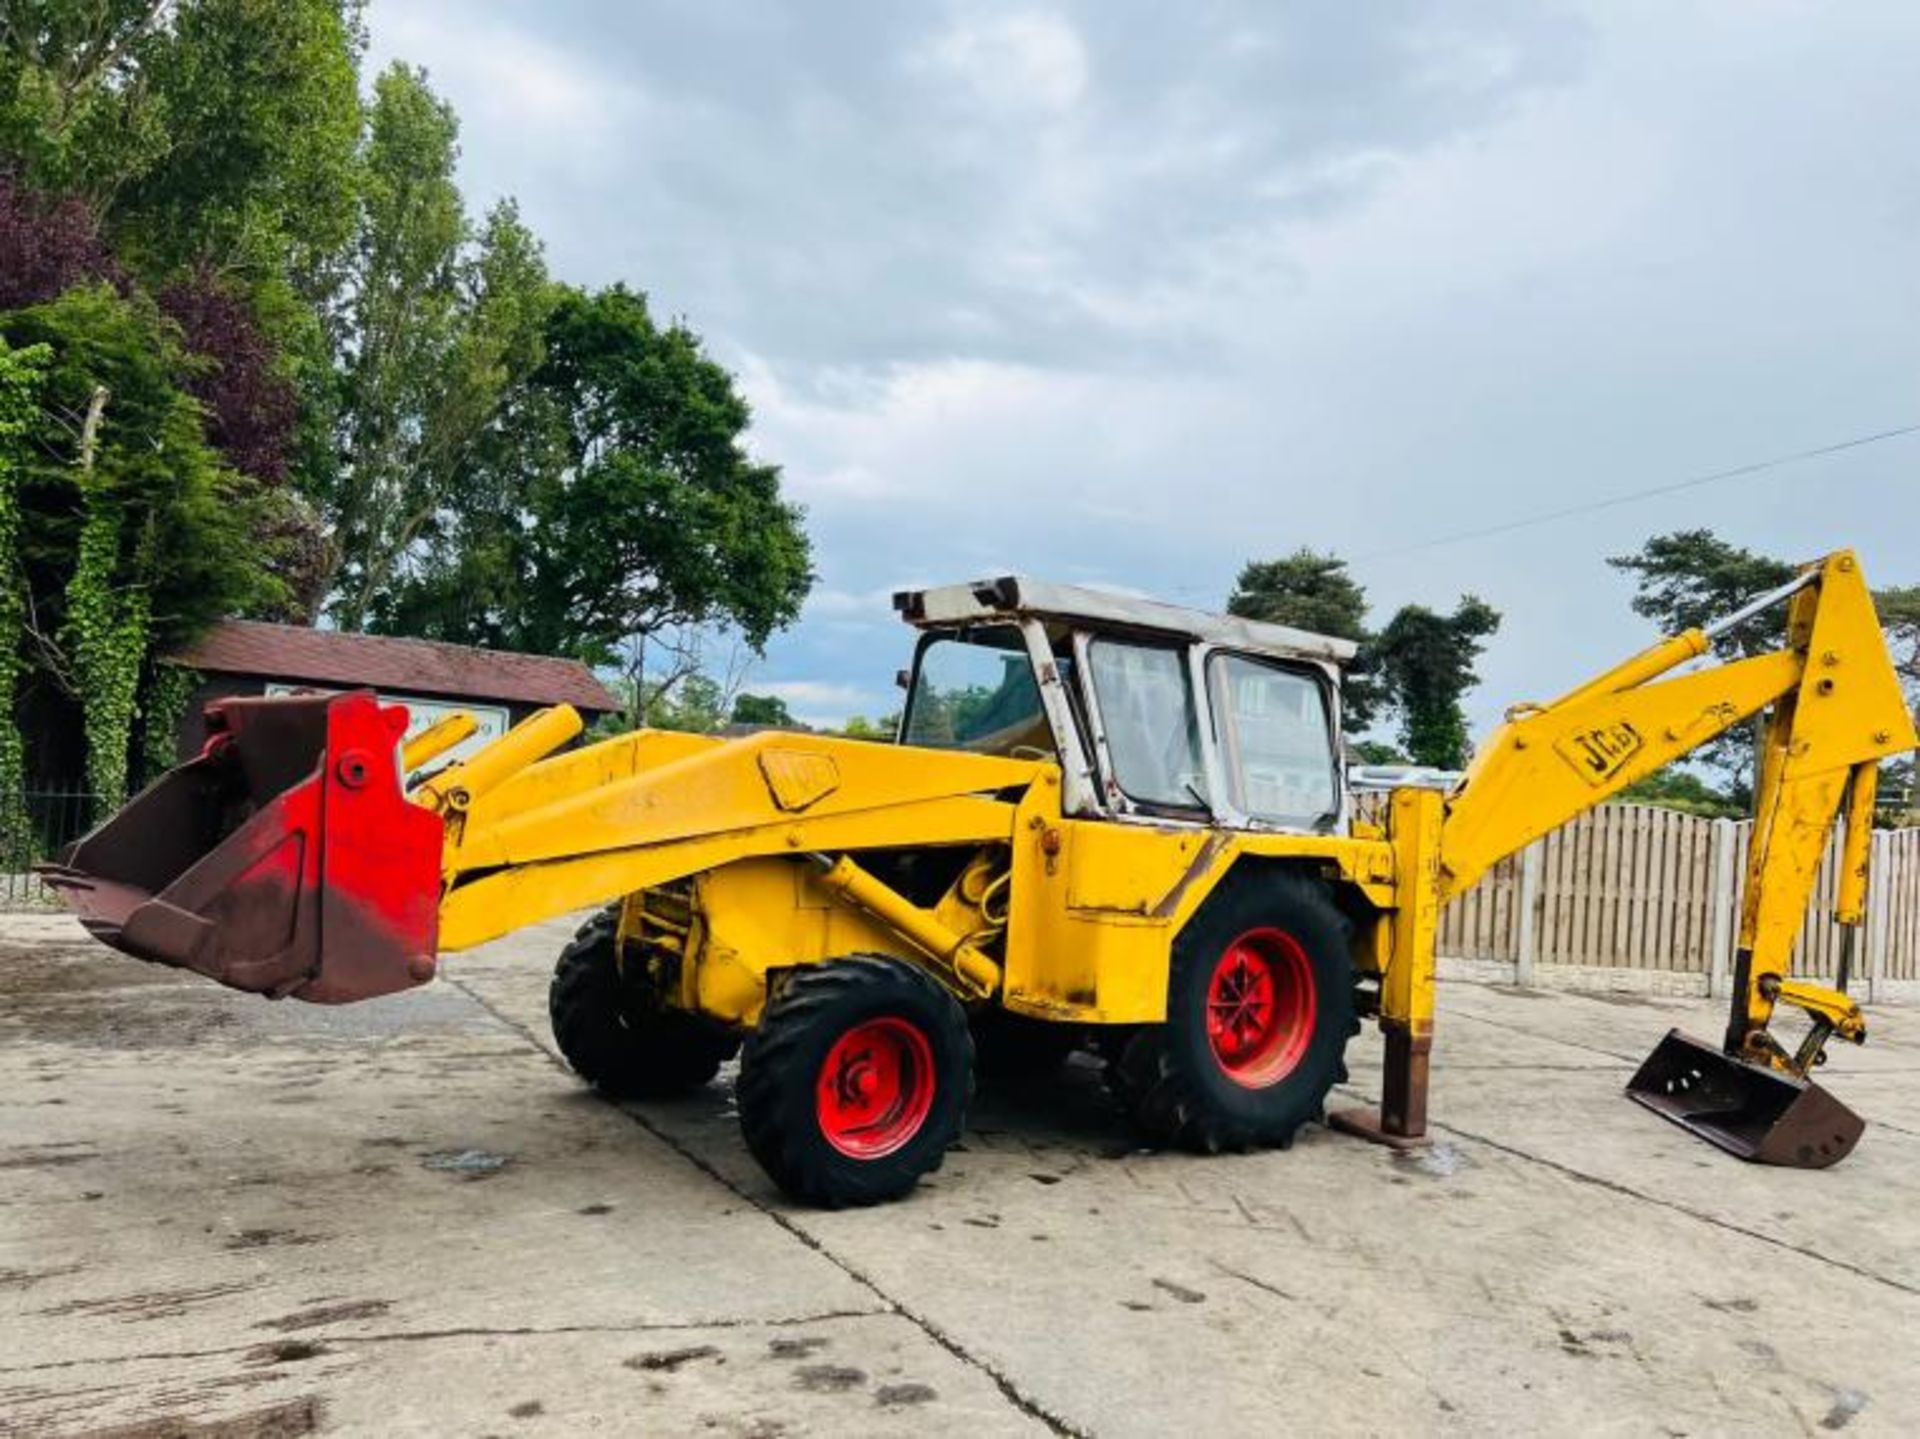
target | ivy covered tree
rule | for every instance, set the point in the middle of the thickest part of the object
(132, 532)
(20, 376)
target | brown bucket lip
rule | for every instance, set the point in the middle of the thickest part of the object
(1749, 1110)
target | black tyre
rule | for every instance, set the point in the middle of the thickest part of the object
(614, 1033)
(1260, 1007)
(1016, 1046)
(856, 1082)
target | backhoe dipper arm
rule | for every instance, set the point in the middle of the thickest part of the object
(1837, 711)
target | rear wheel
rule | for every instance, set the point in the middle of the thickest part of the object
(856, 1082)
(1259, 1011)
(615, 1033)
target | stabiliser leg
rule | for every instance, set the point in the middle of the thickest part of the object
(1407, 987)
(1401, 1119)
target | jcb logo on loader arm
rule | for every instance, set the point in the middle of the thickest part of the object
(1599, 753)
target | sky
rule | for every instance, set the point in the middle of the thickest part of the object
(1129, 294)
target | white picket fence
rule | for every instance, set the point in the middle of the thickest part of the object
(1640, 898)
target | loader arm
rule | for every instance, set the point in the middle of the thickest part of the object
(1835, 710)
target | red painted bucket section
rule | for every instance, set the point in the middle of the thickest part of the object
(284, 860)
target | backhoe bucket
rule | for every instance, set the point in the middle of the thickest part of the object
(284, 860)
(1747, 1109)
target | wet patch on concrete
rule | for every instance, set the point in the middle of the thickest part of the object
(467, 1163)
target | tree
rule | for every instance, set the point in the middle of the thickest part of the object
(1687, 580)
(882, 729)
(133, 535)
(1426, 661)
(1899, 610)
(611, 508)
(20, 378)
(259, 101)
(1313, 591)
(769, 710)
(1681, 789)
(697, 704)
(438, 329)
(75, 110)
(1690, 578)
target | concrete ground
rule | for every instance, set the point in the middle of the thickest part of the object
(221, 1216)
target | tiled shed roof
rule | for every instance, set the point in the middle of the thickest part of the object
(295, 654)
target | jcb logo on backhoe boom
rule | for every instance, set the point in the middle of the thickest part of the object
(1599, 753)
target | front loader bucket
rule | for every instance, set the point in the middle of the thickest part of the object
(1747, 1109)
(284, 860)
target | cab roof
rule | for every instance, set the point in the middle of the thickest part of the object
(1013, 596)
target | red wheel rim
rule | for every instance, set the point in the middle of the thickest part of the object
(875, 1088)
(1261, 1002)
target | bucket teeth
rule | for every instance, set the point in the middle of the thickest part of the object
(1747, 1109)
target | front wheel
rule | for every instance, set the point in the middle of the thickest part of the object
(616, 1035)
(856, 1081)
(1259, 1011)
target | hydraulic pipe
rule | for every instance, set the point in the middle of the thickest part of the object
(848, 880)
(1669, 653)
(1856, 845)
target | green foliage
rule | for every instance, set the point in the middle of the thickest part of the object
(1676, 788)
(261, 107)
(1306, 589)
(882, 729)
(74, 108)
(441, 325)
(768, 710)
(165, 697)
(20, 375)
(1899, 610)
(131, 530)
(449, 475)
(1373, 751)
(105, 636)
(1313, 591)
(695, 705)
(1426, 660)
(612, 501)
(1690, 578)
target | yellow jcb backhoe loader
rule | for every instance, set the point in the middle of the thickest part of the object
(1107, 822)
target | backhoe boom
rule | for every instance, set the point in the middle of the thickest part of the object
(1834, 711)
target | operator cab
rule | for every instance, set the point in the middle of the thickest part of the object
(1152, 711)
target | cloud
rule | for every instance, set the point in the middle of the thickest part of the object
(1019, 62)
(1128, 294)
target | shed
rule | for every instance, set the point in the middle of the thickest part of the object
(499, 688)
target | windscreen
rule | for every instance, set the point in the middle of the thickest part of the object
(974, 690)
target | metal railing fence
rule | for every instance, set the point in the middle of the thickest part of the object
(35, 825)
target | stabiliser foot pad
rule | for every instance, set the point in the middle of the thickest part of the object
(1365, 1124)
